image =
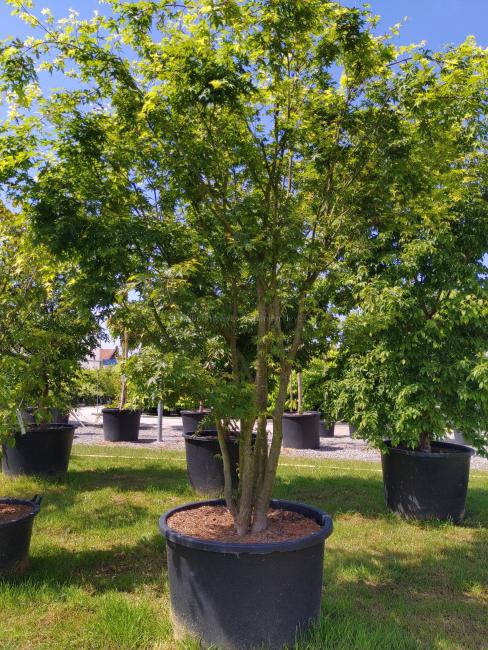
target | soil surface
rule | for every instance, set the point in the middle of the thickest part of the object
(12, 512)
(214, 523)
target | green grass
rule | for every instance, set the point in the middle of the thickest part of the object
(98, 579)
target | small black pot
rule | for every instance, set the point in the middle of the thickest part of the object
(121, 425)
(57, 416)
(301, 430)
(15, 538)
(427, 485)
(326, 432)
(41, 451)
(241, 596)
(204, 462)
(60, 417)
(191, 419)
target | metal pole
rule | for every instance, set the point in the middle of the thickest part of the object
(160, 421)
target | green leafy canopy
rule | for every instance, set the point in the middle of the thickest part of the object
(252, 169)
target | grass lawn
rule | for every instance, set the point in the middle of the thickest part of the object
(98, 579)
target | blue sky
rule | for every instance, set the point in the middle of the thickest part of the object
(436, 21)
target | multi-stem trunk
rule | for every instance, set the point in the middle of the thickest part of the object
(253, 450)
(258, 464)
(264, 493)
(253, 457)
(123, 379)
(263, 496)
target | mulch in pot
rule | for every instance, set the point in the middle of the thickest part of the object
(9, 512)
(215, 523)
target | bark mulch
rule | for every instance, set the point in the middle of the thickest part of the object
(214, 523)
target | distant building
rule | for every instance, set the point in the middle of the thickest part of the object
(99, 358)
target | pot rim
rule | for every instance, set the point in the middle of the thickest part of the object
(205, 437)
(193, 435)
(263, 548)
(448, 449)
(117, 410)
(46, 428)
(295, 414)
(35, 503)
(195, 411)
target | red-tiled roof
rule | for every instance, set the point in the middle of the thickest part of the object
(107, 353)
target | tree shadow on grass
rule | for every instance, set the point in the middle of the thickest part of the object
(147, 475)
(340, 494)
(372, 600)
(120, 485)
(390, 596)
(123, 567)
(335, 494)
(436, 598)
(381, 597)
(153, 476)
(118, 515)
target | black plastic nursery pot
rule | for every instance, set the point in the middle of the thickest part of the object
(326, 430)
(60, 417)
(15, 537)
(301, 430)
(191, 419)
(235, 596)
(121, 425)
(204, 463)
(427, 485)
(41, 451)
(57, 416)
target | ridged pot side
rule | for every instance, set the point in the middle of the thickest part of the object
(222, 593)
(427, 485)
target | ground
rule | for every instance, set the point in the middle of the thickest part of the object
(98, 580)
(342, 446)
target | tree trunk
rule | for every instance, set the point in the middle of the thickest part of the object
(263, 496)
(260, 455)
(253, 461)
(299, 392)
(243, 517)
(123, 387)
(424, 442)
(229, 499)
(291, 391)
(123, 392)
(43, 402)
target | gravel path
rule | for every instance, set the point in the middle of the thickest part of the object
(341, 446)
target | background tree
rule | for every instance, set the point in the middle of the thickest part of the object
(414, 352)
(93, 387)
(46, 331)
(167, 377)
